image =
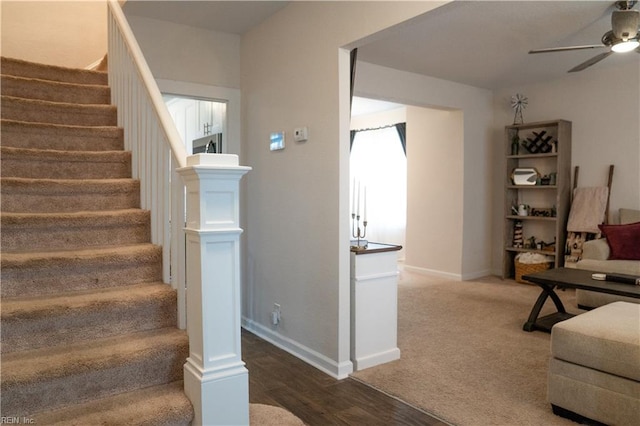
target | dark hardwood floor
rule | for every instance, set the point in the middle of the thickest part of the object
(280, 379)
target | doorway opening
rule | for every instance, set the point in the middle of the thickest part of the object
(228, 96)
(378, 169)
(201, 123)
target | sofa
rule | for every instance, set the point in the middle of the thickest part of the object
(597, 256)
(594, 371)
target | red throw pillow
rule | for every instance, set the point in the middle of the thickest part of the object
(624, 240)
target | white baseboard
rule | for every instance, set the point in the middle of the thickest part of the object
(376, 359)
(432, 272)
(448, 275)
(95, 64)
(321, 362)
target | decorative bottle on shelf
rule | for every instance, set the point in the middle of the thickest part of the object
(515, 144)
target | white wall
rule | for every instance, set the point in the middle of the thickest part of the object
(65, 33)
(182, 53)
(472, 245)
(603, 104)
(294, 74)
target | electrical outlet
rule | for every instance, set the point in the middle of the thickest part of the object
(275, 314)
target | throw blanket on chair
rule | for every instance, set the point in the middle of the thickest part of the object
(588, 210)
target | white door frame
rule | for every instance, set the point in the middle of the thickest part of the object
(214, 93)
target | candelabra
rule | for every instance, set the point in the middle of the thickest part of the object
(358, 232)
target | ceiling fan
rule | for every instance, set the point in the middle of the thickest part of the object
(623, 36)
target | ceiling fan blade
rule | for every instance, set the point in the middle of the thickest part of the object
(592, 61)
(563, 49)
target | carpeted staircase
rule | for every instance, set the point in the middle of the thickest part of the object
(88, 328)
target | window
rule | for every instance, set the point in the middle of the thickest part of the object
(378, 162)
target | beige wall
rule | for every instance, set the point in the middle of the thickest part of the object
(435, 147)
(294, 74)
(66, 33)
(603, 104)
(379, 119)
(469, 254)
(181, 53)
(434, 186)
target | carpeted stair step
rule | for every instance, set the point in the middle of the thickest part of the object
(19, 67)
(54, 164)
(58, 112)
(22, 134)
(68, 195)
(69, 231)
(164, 405)
(48, 273)
(34, 322)
(50, 378)
(88, 328)
(33, 88)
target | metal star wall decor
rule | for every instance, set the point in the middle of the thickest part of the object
(518, 103)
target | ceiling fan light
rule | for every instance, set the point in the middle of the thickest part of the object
(625, 46)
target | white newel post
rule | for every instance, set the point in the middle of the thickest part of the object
(215, 377)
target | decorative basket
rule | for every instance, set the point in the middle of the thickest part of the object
(529, 268)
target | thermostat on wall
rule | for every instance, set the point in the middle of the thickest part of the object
(277, 141)
(300, 134)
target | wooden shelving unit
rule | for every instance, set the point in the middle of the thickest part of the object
(557, 197)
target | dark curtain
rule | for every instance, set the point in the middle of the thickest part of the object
(354, 59)
(401, 128)
(402, 132)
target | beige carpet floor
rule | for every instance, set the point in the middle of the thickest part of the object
(464, 355)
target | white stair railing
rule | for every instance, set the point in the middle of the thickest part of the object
(156, 147)
(215, 378)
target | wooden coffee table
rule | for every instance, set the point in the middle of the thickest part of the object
(568, 278)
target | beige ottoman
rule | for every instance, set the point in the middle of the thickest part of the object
(595, 365)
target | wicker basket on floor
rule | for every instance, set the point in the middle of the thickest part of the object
(529, 268)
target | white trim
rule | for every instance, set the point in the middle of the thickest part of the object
(343, 355)
(230, 95)
(449, 275)
(372, 277)
(432, 272)
(376, 359)
(321, 362)
(94, 65)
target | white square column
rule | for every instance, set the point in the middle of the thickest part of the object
(215, 377)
